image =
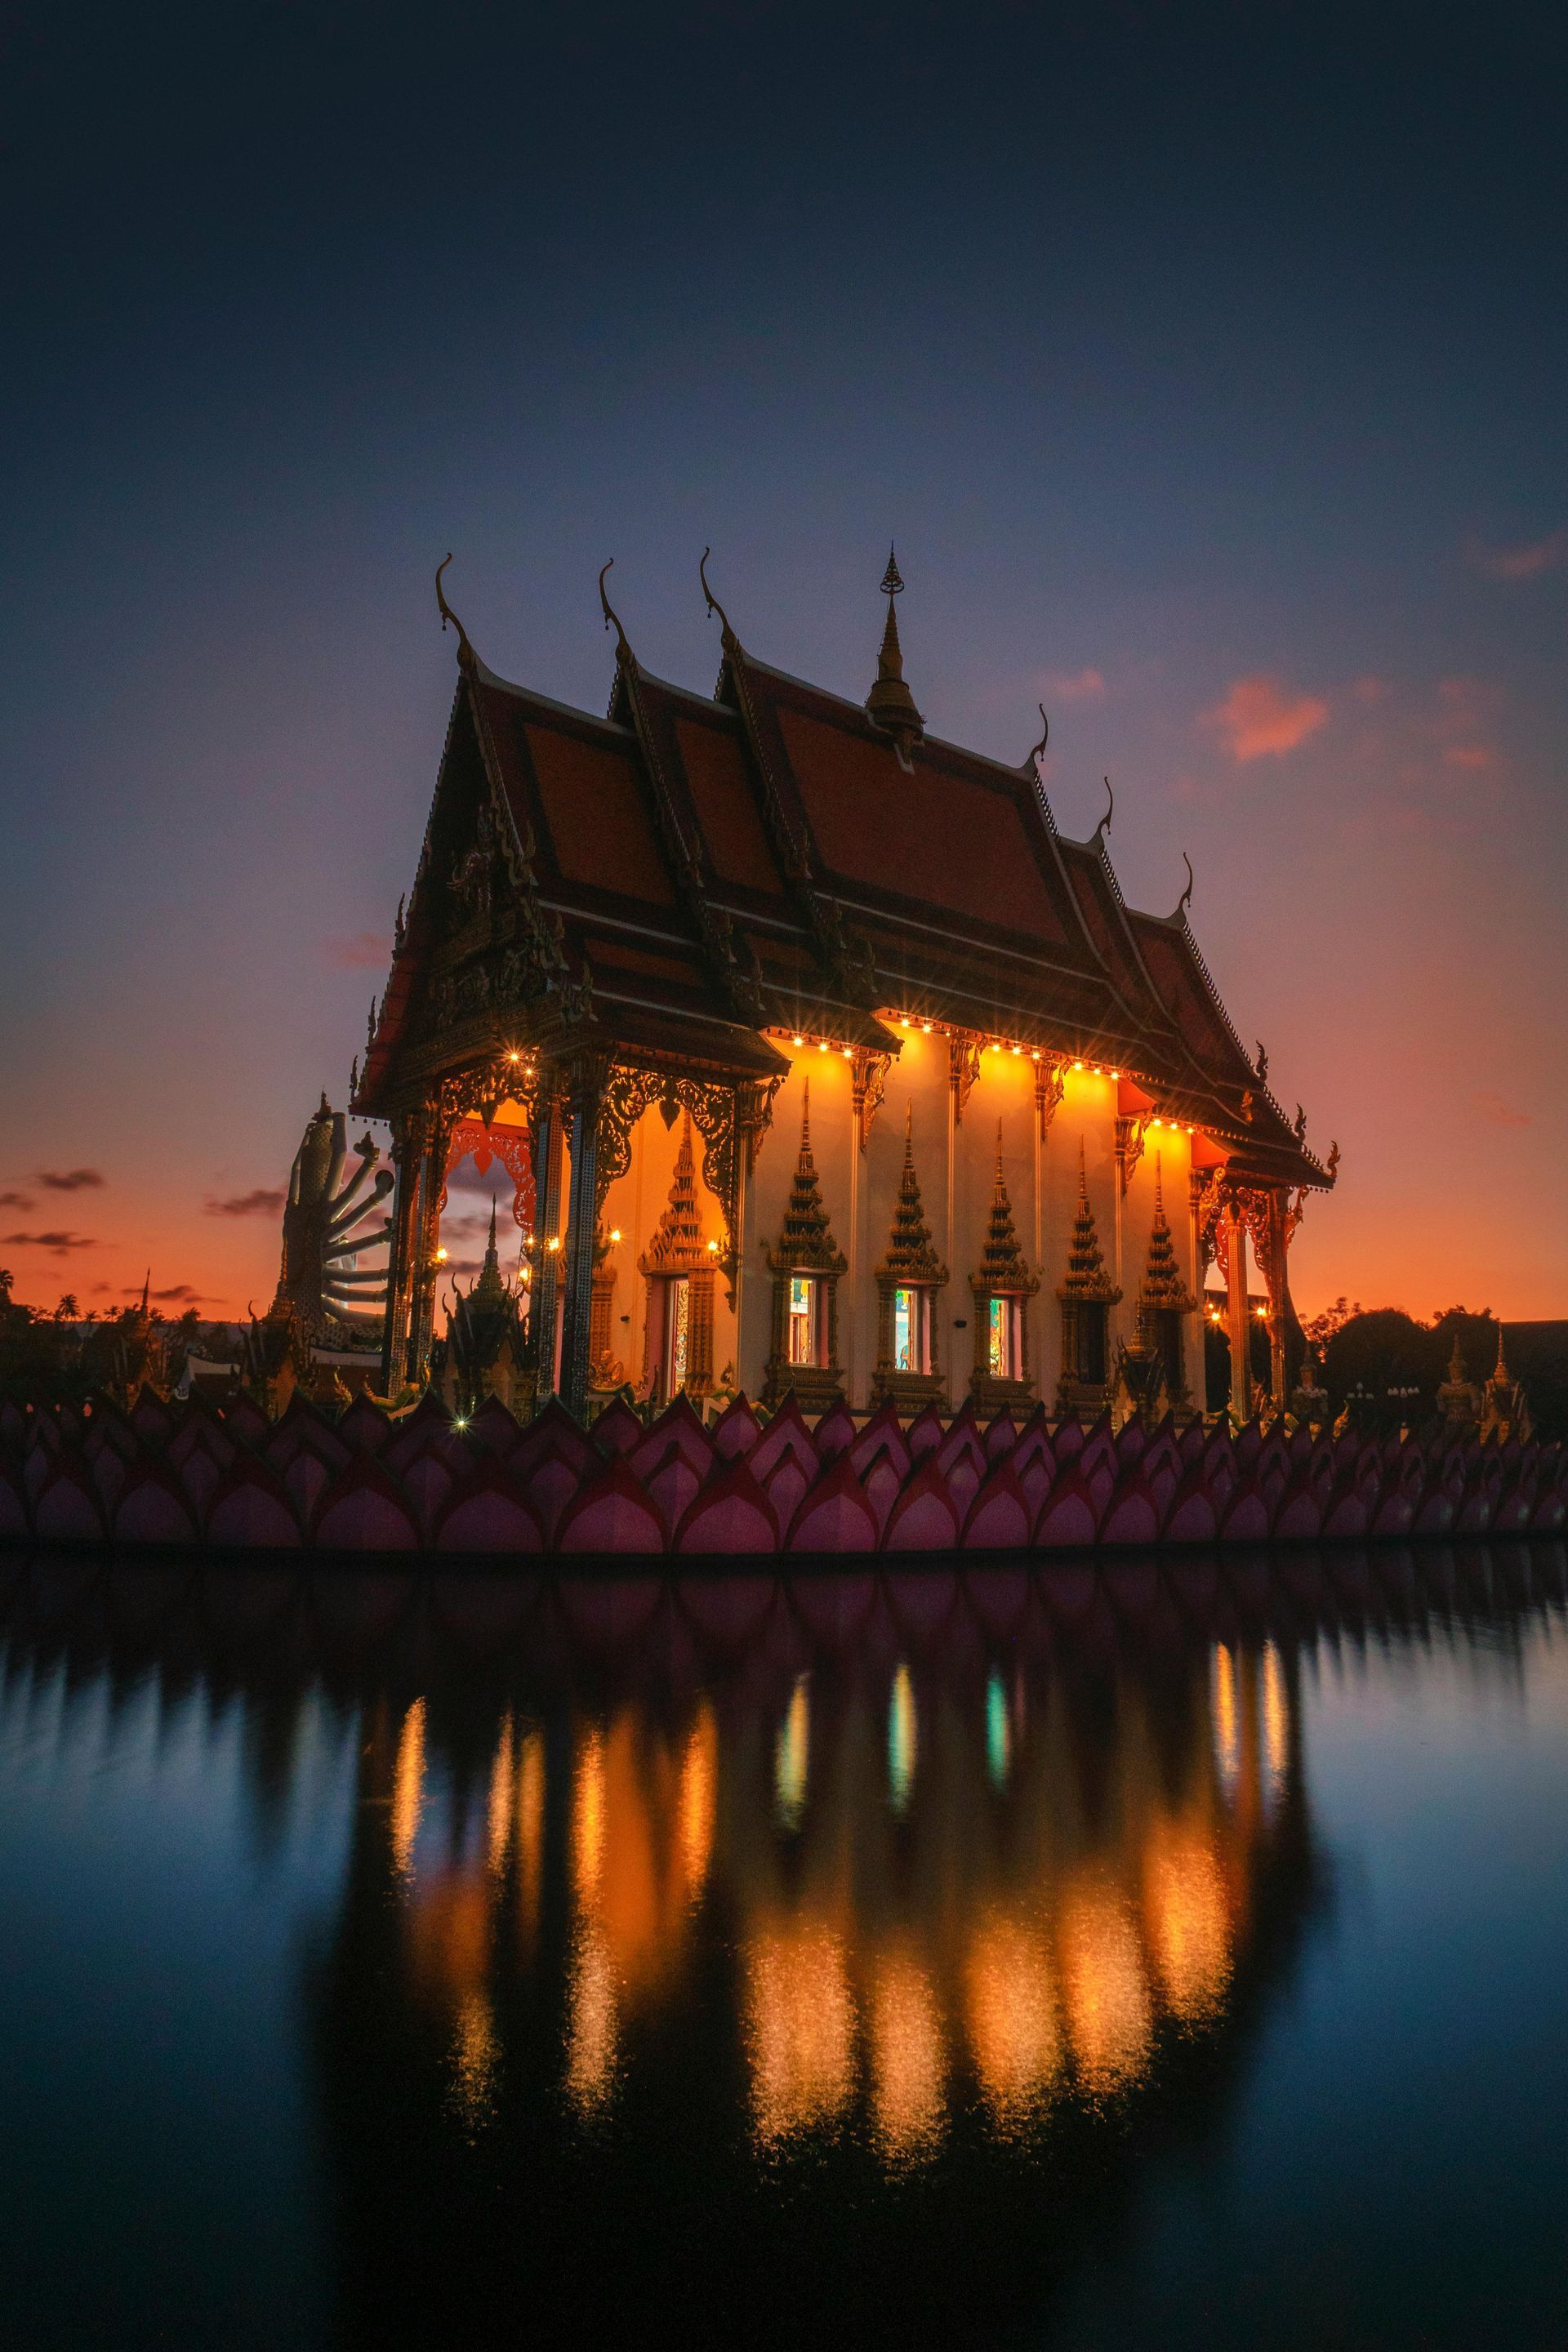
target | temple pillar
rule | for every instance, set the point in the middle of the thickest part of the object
(426, 1240)
(549, 1149)
(587, 1090)
(1196, 1184)
(1241, 1335)
(400, 1256)
(1274, 1275)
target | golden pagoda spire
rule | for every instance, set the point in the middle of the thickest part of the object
(1002, 1264)
(678, 1246)
(1086, 1274)
(890, 702)
(1163, 1284)
(490, 1289)
(910, 1255)
(806, 1238)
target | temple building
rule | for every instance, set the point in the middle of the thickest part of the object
(819, 1060)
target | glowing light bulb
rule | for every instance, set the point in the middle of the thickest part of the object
(821, 1045)
(1017, 1049)
(553, 1242)
(511, 1057)
(1077, 1066)
(797, 1041)
(925, 1028)
(441, 1256)
(614, 1233)
(847, 1055)
(713, 1249)
(1156, 1122)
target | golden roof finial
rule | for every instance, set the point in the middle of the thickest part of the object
(464, 650)
(1082, 1179)
(890, 702)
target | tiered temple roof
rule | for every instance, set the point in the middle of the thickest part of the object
(779, 857)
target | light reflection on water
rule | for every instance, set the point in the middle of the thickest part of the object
(786, 1954)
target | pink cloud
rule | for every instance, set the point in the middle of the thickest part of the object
(71, 1179)
(365, 952)
(1478, 756)
(259, 1204)
(23, 1201)
(1499, 1113)
(1263, 718)
(1081, 686)
(1525, 563)
(58, 1244)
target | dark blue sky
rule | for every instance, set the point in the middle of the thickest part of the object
(1207, 365)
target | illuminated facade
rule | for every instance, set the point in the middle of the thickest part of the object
(820, 1060)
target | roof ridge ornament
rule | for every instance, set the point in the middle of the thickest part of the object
(1104, 828)
(1185, 900)
(1038, 752)
(890, 704)
(464, 650)
(713, 604)
(623, 654)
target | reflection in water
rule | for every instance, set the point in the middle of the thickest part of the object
(408, 1787)
(903, 1741)
(840, 1963)
(792, 1758)
(800, 2031)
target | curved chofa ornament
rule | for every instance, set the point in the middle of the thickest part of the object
(1104, 828)
(1038, 752)
(464, 650)
(331, 1227)
(1185, 900)
(713, 604)
(613, 619)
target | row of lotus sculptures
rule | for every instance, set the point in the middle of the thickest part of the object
(165, 1473)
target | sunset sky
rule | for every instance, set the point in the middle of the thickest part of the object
(1206, 364)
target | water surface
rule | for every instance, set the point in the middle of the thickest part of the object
(1168, 1953)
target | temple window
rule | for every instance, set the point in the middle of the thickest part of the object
(805, 1263)
(1003, 1339)
(678, 1267)
(1002, 1291)
(908, 1280)
(803, 1320)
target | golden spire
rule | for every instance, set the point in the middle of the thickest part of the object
(1002, 1266)
(678, 1246)
(890, 702)
(1162, 1283)
(490, 1289)
(1085, 1276)
(911, 1256)
(806, 1240)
